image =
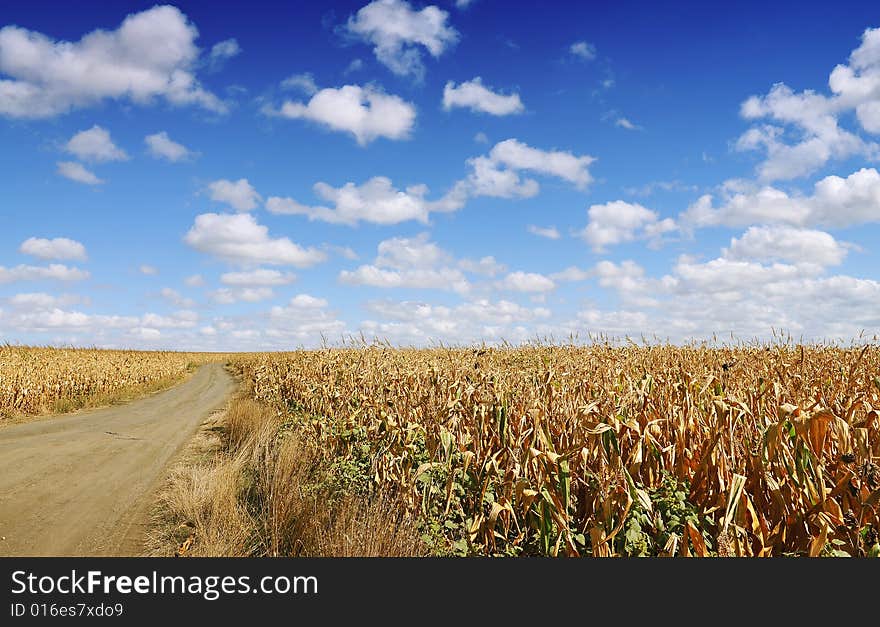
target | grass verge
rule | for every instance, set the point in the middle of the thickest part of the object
(250, 486)
(64, 406)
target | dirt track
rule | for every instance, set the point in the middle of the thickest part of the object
(80, 484)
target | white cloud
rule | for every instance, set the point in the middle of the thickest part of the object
(565, 165)
(148, 270)
(222, 51)
(240, 239)
(259, 277)
(481, 138)
(304, 82)
(476, 97)
(54, 272)
(526, 282)
(95, 144)
(498, 174)
(40, 300)
(428, 278)
(627, 124)
(835, 202)
(56, 248)
(487, 179)
(228, 296)
(614, 323)
(163, 147)
(463, 4)
(365, 112)
(96, 325)
(410, 252)
(783, 243)
(412, 262)
(239, 195)
(549, 232)
(397, 33)
(194, 280)
(422, 323)
(815, 118)
(486, 266)
(572, 274)
(77, 172)
(747, 297)
(379, 202)
(376, 201)
(355, 66)
(618, 221)
(583, 50)
(628, 279)
(152, 54)
(648, 189)
(175, 298)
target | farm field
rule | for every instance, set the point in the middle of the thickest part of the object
(766, 450)
(36, 380)
(600, 450)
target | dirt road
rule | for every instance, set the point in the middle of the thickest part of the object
(80, 484)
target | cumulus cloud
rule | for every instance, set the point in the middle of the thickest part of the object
(78, 172)
(398, 33)
(565, 165)
(163, 147)
(814, 118)
(583, 50)
(148, 270)
(221, 52)
(418, 278)
(783, 243)
(40, 300)
(526, 282)
(228, 296)
(366, 112)
(305, 318)
(56, 248)
(241, 239)
(240, 195)
(95, 144)
(618, 221)
(477, 97)
(420, 323)
(176, 298)
(194, 280)
(259, 277)
(498, 173)
(835, 202)
(486, 266)
(54, 272)
(749, 297)
(151, 55)
(54, 318)
(376, 201)
(571, 274)
(549, 232)
(304, 82)
(413, 262)
(627, 124)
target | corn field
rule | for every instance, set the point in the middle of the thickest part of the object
(41, 380)
(764, 450)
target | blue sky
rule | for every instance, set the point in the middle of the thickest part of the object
(267, 175)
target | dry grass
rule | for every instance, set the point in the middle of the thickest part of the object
(601, 450)
(247, 488)
(36, 381)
